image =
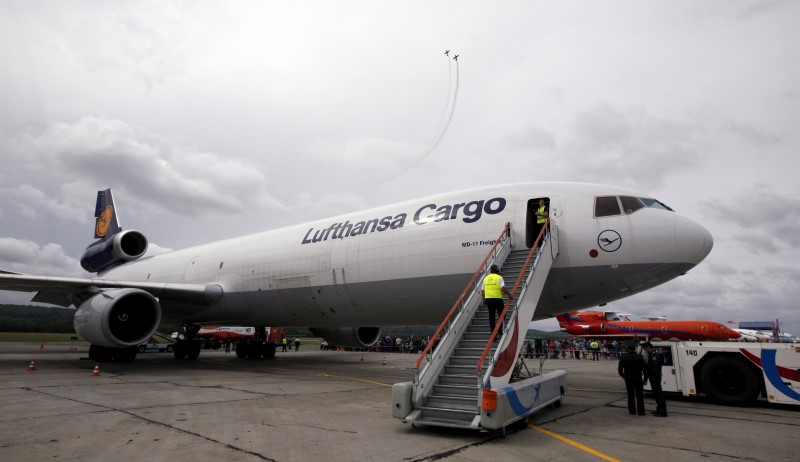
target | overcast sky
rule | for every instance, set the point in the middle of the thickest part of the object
(216, 119)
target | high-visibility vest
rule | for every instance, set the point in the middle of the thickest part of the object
(491, 286)
(541, 219)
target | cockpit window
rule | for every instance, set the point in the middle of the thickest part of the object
(630, 204)
(655, 204)
(606, 206)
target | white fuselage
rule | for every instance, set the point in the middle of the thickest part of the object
(406, 263)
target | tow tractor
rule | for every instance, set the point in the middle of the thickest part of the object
(732, 373)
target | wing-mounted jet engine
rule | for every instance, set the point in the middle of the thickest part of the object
(349, 337)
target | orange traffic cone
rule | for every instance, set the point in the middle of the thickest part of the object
(383, 363)
(362, 356)
(96, 371)
(32, 366)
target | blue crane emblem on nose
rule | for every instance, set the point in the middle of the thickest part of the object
(609, 240)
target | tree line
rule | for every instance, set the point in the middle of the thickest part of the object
(24, 318)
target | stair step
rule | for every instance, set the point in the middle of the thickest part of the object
(462, 369)
(464, 360)
(456, 390)
(454, 415)
(471, 352)
(458, 379)
(456, 403)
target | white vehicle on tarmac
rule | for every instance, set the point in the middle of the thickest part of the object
(732, 372)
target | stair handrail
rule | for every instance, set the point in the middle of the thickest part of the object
(506, 234)
(513, 293)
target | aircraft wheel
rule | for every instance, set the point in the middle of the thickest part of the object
(125, 355)
(269, 350)
(729, 380)
(142, 348)
(242, 349)
(96, 353)
(170, 348)
(180, 350)
(193, 350)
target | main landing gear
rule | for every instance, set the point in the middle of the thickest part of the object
(186, 347)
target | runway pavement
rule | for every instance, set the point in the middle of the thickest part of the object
(331, 406)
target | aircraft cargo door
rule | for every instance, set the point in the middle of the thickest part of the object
(335, 299)
(298, 297)
(532, 227)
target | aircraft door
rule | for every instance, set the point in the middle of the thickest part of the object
(335, 298)
(669, 373)
(532, 227)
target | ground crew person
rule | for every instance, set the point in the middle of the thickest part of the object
(283, 344)
(595, 347)
(653, 375)
(541, 218)
(631, 368)
(493, 289)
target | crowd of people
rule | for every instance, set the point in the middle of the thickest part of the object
(573, 348)
(560, 348)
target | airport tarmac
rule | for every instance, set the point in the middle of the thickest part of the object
(332, 406)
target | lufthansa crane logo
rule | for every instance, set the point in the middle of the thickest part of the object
(609, 240)
(104, 220)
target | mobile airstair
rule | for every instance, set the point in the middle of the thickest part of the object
(469, 378)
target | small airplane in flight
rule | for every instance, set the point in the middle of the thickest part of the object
(455, 58)
(447, 53)
(608, 324)
(347, 276)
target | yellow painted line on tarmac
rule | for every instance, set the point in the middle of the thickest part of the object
(574, 443)
(595, 390)
(327, 374)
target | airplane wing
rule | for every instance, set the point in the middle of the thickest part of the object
(63, 291)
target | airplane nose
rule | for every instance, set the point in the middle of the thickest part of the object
(694, 241)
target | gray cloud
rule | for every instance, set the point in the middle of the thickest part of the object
(211, 121)
(165, 174)
(22, 256)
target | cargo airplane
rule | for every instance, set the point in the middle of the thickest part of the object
(347, 276)
(608, 324)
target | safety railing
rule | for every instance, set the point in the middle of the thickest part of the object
(460, 304)
(511, 298)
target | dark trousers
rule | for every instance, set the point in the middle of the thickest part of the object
(495, 306)
(658, 395)
(635, 388)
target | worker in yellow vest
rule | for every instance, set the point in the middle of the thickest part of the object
(493, 289)
(541, 219)
(595, 347)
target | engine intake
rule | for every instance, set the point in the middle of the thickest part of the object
(351, 337)
(118, 318)
(122, 247)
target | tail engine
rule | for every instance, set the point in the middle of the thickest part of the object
(116, 250)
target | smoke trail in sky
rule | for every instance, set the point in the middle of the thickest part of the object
(444, 121)
(437, 135)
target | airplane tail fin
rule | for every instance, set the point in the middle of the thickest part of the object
(106, 222)
(114, 247)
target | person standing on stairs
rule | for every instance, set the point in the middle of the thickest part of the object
(493, 289)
